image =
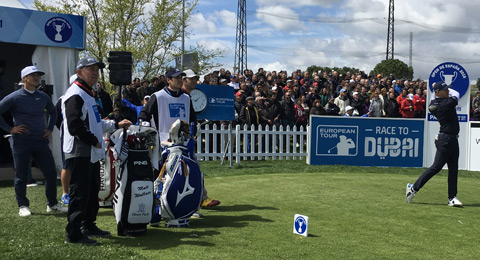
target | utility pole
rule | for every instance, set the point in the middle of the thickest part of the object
(240, 63)
(183, 34)
(411, 48)
(390, 34)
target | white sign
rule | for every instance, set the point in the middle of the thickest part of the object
(300, 225)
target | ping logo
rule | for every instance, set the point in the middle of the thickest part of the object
(140, 163)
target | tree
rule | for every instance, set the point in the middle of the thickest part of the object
(398, 68)
(150, 29)
(343, 70)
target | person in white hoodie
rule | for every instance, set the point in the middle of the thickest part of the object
(83, 147)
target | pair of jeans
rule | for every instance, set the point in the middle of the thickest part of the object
(24, 150)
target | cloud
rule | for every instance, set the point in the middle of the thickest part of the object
(284, 19)
(198, 23)
(298, 3)
(228, 18)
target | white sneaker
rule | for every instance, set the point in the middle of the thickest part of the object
(24, 211)
(410, 193)
(57, 208)
(455, 202)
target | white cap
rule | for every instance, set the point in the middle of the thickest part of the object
(29, 70)
(73, 78)
(355, 93)
(222, 80)
(348, 108)
(190, 74)
(146, 96)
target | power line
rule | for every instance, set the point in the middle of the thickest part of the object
(440, 28)
(289, 52)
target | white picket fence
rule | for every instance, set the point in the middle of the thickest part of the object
(251, 144)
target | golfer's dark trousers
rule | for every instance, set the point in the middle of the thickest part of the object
(447, 153)
(84, 187)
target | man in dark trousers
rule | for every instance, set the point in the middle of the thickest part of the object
(444, 108)
(30, 136)
(83, 147)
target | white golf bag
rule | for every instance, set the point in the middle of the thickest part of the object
(133, 199)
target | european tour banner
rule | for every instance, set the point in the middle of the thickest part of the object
(364, 141)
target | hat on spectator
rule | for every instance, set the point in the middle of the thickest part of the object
(173, 73)
(342, 90)
(410, 96)
(348, 108)
(394, 81)
(440, 86)
(250, 98)
(289, 80)
(222, 80)
(286, 88)
(379, 75)
(352, 81)
(355, 93)
(274, 88)
(89, 61)
(238, 93)
(315, 83)
(146, 97)
(29, 70)
(189, 74)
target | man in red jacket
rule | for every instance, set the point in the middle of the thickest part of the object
(419, 104)
(407, 107)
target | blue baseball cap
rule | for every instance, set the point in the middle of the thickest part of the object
(173, 73)
(440, 86)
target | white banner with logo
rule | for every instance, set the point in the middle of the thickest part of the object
(455, 75)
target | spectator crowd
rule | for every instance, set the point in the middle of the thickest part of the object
(277, 98)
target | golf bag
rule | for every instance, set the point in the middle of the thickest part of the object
(108, 172)
(133, 199)
(179, 185)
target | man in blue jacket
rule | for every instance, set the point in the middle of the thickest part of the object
(30, 138)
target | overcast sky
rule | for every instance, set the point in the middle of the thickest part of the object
(295, 34)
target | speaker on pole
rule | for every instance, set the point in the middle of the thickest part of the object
(120, 66)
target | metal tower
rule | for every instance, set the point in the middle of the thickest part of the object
(390, 34)
(241, 42)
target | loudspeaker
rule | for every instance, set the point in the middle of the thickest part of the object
(120, 66)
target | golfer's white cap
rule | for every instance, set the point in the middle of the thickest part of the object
(29, 70)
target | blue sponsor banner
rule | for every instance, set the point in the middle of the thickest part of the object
(452, 74)
(220, 103)
(41, 28)
(366, 141)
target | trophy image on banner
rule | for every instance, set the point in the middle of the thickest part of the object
(58, 28)
(448, 79)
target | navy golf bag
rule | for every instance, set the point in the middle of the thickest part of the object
(179, 186)
(133, 199)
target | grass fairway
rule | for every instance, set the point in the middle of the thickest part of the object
(355, 213)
